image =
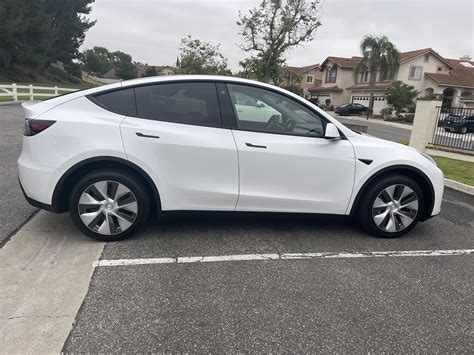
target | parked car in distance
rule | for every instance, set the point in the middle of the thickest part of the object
(110, 155)
(351, 109)
(458, 123)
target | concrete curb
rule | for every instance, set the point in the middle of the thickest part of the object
(459, 186)
(376, 121)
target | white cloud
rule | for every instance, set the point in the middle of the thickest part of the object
(150, 30)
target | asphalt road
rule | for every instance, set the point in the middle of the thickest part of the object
(403, 304)
(14, 209)
(375, 129)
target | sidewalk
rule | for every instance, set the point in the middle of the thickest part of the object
(373, 120)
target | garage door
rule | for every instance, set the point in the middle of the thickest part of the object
(379, 102)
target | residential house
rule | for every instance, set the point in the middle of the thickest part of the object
(306, 78)
(426, 70)
(337, 76)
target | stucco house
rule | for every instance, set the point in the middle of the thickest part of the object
(426, 70)
(309, 77)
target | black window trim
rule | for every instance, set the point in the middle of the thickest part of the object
(225, 123)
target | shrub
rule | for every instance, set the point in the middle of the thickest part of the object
(400, 95)
(409, 117)
(386, 113)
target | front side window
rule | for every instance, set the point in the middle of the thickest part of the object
(415, 72)
(187, 103)
(275, 113)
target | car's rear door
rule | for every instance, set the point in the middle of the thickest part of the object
(286, 165)
(178, 138)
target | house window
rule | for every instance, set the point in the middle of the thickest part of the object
(365, 76)
(415, 72)
(309, 79)
(426, 58)
(331, 75)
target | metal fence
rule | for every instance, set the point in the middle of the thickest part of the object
(454, 128)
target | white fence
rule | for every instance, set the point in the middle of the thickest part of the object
(27, 92)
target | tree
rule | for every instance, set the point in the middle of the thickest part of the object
(198, 57)
(12, 25)
(378, 55)
(400, 95)
(97, 60)
(123, 65)
(150, 71)
(70, 26)
(274, 27)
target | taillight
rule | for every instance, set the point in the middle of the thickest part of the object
(33, 127)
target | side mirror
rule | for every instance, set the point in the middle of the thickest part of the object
(331, 131)
(260, 103)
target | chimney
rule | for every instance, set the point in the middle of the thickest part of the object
(466, 58)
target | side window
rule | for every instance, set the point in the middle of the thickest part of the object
(188, 103)
(119, 101)
(275, 113)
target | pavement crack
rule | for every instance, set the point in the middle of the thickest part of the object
(38, 316)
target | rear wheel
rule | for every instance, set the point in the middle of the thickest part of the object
(108, 205)
(391, 206)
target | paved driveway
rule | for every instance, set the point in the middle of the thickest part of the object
(350, 303)
(14, 209)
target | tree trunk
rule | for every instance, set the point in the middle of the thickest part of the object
(373, 78)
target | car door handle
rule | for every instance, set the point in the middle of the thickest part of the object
(146, 135)
(255, 145)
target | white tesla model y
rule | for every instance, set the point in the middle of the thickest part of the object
(112, 154)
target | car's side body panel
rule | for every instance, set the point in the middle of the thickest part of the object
(82, 130)
(194, 167)
(294, 174)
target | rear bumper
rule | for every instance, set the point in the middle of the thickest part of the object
(38, 204)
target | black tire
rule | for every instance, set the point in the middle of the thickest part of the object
(129, 182)
(463, 130)
(364, 208)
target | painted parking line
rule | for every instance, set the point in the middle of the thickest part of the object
(284, 256)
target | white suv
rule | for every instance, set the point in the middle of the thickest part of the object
(109, 155)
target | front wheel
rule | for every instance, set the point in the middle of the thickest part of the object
(463, 130)
(391, 206)
(108, 205)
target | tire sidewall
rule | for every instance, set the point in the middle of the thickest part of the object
(365, 210)
(134, 186)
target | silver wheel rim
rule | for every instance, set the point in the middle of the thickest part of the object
(395, 208)
(108, 207)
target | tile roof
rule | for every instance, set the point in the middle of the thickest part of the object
(341, 62)
(459, 76)
(334, 88)
(407, 56)
(301, 70)
(366, 86)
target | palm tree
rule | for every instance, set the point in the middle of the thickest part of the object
(378, 55)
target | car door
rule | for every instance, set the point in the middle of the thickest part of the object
(287, 165)
(177, 136)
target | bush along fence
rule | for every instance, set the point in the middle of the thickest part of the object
(30, 92)
(454, 128)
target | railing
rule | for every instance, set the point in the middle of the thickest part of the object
(29, 92)
(454, 128)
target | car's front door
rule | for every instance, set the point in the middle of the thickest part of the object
(285, 164)
(179, 140)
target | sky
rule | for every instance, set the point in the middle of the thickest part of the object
(150, 30)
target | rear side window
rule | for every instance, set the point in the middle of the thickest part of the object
(119, 101)
(188, 103)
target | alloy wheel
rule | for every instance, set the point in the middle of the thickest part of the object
(108, 207)
(395, 208)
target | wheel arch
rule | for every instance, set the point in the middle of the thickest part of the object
(66, 182)
(416, 174)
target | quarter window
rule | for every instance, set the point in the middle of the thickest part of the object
(275, 113)
(187, 103)
(118, 101)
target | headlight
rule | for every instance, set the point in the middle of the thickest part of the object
(429, 158)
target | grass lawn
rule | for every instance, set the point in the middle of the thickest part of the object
(50, 84)
(457, 170)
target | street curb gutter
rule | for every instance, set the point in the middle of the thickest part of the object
(459, 186)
